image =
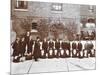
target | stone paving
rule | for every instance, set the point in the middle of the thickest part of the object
(53, 65)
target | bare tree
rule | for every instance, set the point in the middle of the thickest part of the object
(26, 23)
(16, 26)
(70, 30)
(43, 28)
(56, 29)
(22, 25)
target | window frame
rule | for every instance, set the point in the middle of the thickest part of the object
(17, 6)
(57, 7)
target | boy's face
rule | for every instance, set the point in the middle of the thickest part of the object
(51, 40)
(23, 39)
(38, 39)
(45, 39)
(57, 40)
(28, 33)
(17, 39)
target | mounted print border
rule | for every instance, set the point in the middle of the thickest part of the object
(52, 37)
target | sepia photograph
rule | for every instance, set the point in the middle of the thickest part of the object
(52, 37)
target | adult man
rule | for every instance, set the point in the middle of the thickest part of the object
(29, 49)
(27, 37)
(37, 51)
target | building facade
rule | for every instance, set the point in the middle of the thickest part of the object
(53, 13)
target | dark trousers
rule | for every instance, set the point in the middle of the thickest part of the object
(74, 53)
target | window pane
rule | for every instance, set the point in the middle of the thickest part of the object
(57, 7)
(21, 4)
(34, 25)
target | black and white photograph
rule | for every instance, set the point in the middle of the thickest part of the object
(52, 37)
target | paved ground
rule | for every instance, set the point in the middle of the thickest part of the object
(53, 65)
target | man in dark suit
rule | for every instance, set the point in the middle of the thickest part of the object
(29, 49)
(27, 37)
(37, 51)
(30, 46)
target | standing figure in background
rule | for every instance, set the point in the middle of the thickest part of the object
(29, 48)
(82, 35)
(87, 36)
(37, 51)
(93, 35)
(27, 37)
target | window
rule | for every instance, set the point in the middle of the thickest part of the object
(21, 4)
(34, 25)
(56, 7)
(91, 9)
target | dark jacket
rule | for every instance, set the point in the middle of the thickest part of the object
(30, 45)
(74, 46)
(16, 48)
(45, 45)
(64, 45)
(51, 45)
(22, 46)
(91, 45)
(68, 45)
(27, 39)
(37, 51)
(57, 45)
(86, 46)
(79, 47)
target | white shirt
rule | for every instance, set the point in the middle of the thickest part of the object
(90, 25)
